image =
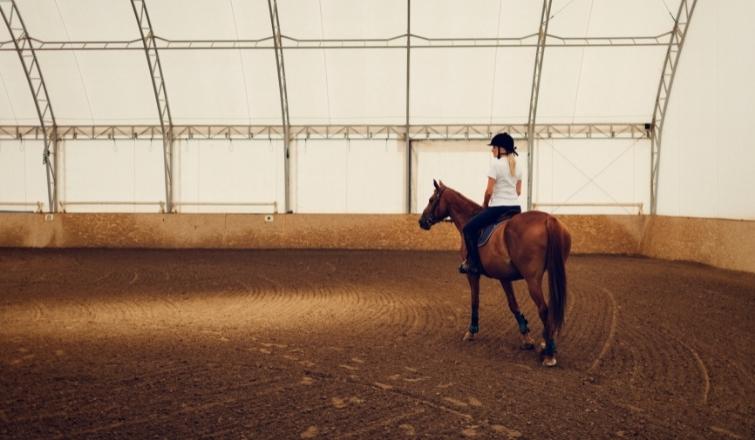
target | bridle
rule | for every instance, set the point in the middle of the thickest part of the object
(431, 216)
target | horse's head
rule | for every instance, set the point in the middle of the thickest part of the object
(436, 209)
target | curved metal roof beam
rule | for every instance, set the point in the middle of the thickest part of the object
(25, 50)
(534, 94)
(161, 95)
(278, 45)
(675, 45)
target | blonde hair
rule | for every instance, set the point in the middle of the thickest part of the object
(509, 158)
(512, 164)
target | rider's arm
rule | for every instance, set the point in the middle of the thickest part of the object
(519, 187)
(488, 192)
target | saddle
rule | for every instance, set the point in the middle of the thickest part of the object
(487, 231)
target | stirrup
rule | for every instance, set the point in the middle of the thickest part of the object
(470, 269)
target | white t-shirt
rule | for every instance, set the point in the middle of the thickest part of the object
(504, 191)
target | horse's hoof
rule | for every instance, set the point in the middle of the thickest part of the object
(527, 342)
(549, 361)
(468, 336)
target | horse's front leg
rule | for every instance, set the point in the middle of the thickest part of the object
(474, 323)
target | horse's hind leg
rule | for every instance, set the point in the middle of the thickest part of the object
(527, 342)
(536, 292)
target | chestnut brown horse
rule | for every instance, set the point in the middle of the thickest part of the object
(524, 247)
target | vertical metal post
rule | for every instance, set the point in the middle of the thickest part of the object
(56, 169)
(32, 71)
(408, 138)
(278, 44)
(161, 94)
(676, 42)
(541, 37)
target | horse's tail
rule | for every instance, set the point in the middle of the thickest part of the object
(554, 263)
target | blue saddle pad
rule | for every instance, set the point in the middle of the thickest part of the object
(487, 231)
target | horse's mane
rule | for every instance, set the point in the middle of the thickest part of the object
(473, 206)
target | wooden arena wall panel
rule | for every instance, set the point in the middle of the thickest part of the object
(728, 244)
(591, 234)
(300, 231)
(605, 234)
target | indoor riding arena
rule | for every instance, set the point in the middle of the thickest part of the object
(243, 219)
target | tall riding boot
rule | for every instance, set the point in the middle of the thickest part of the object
(472, 264)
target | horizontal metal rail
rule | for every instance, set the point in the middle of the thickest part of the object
(396, 42)
(38, 205)
(161, 204)
(367, 131)
(638, 206)
(238, 204)
(63, 204)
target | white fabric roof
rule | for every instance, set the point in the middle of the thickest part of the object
(341, 86)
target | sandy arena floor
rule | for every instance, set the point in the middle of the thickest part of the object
(347, 344)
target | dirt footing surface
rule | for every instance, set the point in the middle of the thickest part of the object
(347, 344)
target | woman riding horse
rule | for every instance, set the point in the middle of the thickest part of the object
(501, 197)
(524, 247)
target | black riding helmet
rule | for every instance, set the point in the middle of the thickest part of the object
(505, 141)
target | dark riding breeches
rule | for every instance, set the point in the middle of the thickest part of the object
(477, 223)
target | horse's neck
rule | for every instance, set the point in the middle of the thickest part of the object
(461, 210)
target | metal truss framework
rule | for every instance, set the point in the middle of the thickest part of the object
(336, 132)
(161, 95)
(534, 94)
(280, 67)
(25, 45)
(396, 42)
(26, 54)
(681, 24)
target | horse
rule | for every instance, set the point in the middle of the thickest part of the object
(523, 247)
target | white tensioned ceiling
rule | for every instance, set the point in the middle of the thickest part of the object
(110, 85)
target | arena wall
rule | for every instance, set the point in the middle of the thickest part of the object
(300, 231)
(723, 243)
(728, 244)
